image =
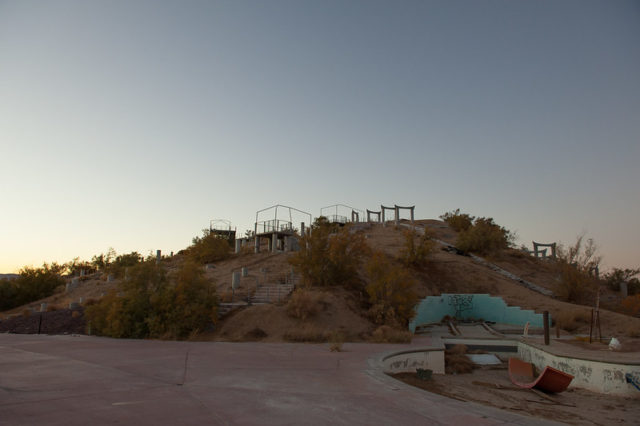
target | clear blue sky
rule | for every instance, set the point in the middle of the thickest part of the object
(131, 124)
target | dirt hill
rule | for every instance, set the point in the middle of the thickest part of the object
(340, 311)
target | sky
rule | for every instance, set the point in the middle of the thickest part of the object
(132, 124)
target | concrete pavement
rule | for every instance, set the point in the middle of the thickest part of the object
(79, 380)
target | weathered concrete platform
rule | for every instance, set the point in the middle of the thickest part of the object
(79, 380)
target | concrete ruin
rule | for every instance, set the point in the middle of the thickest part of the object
(538, 252)
(222, 228)
(279, 231)
(351, 215)
(378, 215)
(396, 212)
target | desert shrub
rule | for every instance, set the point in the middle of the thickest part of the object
(617, 276)
(306, 333)
(152, 304)
(458, 221)
(121, 263)
(387, 334)
(631, 305)
(304, 304)
(417, 249)
(391, 291)
(456, 361)
(484, 236)
(329, 255)
(576, 264)
(574, 285)
(209, 248)
(572, 320)
(30, 285)
(336, 340)
(187, 307)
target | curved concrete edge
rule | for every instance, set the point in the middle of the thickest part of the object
(376, 370)
(596, 376)
(407, 361)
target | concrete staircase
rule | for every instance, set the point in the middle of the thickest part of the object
(271, 293)
(264, 294)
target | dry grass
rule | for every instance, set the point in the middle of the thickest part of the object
(336, 339)
(306, 333)
(255, 334)
(304, 304)
(386, 334)
(572, 320)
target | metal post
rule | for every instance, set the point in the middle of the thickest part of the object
(545, 318)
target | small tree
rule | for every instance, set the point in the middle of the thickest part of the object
(209, 248)
(417, 248)
(391, 291)
(577, 263)
(617, 276)
(329, 255)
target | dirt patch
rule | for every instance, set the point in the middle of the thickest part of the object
(339, 314)
(491, 386)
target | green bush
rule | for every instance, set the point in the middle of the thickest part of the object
(484, 236)
(153, 304)
(31, 284)
(209, 248)
(458, 221)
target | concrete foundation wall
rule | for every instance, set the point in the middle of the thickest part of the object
(484, 306)
(409, 361)
(596, 376)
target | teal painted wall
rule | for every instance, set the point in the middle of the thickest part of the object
(485, 306)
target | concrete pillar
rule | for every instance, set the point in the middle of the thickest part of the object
(302, 230)
(158, 256)
(43, 307)
(235, 279)
(397, 210)
(274, 243)
(238, 245)
(624, 290)
(245, 271)
(412, 209)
